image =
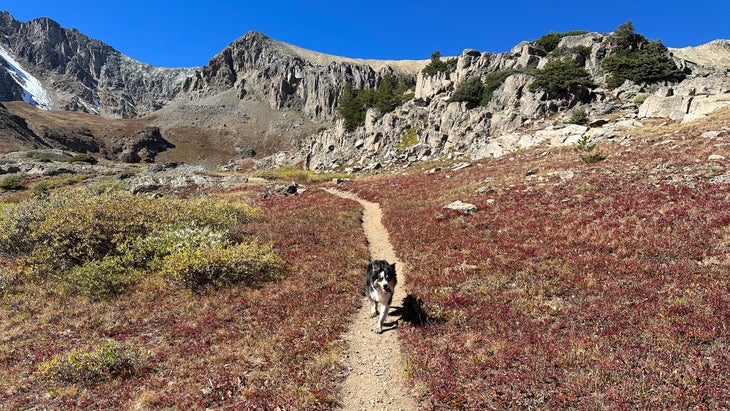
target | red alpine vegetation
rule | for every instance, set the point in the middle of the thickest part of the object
(573, 286)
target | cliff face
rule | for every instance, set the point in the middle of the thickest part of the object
(260, 96)
(287, 77)
(82, 74)
(515, 117)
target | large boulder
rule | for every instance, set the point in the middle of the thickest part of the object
(690, 99)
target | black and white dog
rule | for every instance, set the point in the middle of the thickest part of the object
(380, 281)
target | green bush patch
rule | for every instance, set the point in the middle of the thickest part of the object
(637, 59)
(218, 266)
(109, 361)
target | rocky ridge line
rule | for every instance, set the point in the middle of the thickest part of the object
(515, 117)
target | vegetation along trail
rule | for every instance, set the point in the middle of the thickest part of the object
(373, 362)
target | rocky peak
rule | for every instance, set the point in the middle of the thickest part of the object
(285, 76)
(84, 74)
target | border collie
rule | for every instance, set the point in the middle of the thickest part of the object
(380, 281)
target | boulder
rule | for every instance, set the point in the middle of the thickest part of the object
(462, 207)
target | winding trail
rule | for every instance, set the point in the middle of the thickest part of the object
(375, 367)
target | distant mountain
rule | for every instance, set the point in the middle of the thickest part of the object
(277, 103)
(256, 96)
(60, 68)
(715, 54)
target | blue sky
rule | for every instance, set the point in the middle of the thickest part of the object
(188, 33)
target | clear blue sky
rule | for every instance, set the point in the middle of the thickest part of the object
(188, 33)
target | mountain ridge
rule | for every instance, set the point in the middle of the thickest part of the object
(272, 100)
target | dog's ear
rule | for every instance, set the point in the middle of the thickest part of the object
(392, 266)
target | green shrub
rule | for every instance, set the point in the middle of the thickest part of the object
(585, 147)
(83, 158)
(561, 78)
(11, 183)
(469, 90)
(351, 107)
(550, 41)
(109, 361)
(492, 82)
(637, 59)
(150, 251)
(436, 65)
(294, 173)
(354, 103)
(476, 92)
(79, 237)
(218, 266)
(102, 279)
(219, 214)
(579, 116)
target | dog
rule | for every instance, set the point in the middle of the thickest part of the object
(380, 281)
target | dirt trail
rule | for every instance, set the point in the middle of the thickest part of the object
(374, 364)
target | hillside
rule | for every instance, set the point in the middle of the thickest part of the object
(260, 102)
(573, 286)
(713, 54)
(254, 98)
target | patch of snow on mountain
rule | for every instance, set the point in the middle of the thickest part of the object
(33, 91)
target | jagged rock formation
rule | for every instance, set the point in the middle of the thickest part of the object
(514, 118)
(259, 96)
(689, 100)
(288, 77)
(82, 74)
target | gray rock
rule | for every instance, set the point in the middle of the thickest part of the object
(691, 99)
(721, 179)
(88, 75)
(462, 207)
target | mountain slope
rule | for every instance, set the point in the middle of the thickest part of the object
(437, 123)
(277, 103)
(288, 77)
(83, 74)
(715, 54)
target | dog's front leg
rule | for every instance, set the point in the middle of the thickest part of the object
(373, 308)
(383, 313)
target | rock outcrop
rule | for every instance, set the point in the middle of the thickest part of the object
(288, 77)
(261, 97)
(83, 74)
(515, 117)
(691, 99)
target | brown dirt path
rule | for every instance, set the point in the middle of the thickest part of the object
(375, 367)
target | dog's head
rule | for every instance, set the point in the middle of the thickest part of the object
(384, 276)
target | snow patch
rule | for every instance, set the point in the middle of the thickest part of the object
(33, 91)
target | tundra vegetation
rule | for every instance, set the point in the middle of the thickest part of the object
(114, 301)
(576, 284)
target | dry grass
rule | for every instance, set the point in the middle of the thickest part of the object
(575, 286)
(240, 347)
(606, 288)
